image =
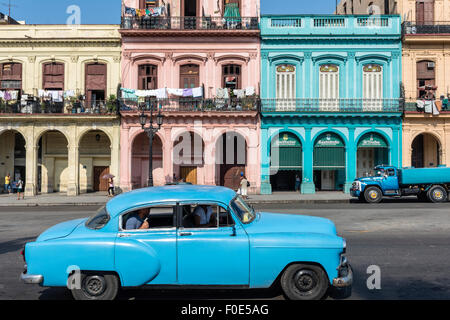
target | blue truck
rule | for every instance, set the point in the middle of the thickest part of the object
(428, 184)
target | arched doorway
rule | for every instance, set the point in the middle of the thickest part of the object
(12, 157)
(231, 159)
(426, 151)
(140, 161)
(329, 162)
(286, 162)
(188, 158)
(373, 150)
(53, 168)
(95, 161)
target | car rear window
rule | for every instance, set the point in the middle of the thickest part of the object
(98, 220)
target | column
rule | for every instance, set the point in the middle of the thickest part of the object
(125, 158)
(115, 154)
(266, 187)
(350, 171)
(74, 169)
(167, 154)
(31, 170)
(396, 148)
(308, 186)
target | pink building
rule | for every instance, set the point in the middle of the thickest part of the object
(197, 61)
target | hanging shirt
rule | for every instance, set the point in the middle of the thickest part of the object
(249, 91)
(175, 92)
(187, 93)
(197, 92)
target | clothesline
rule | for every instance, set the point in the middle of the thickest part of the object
(9, 95)
(152, 12)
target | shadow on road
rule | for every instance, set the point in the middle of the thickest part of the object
(14, 245)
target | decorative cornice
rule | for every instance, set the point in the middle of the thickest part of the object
(190, 33)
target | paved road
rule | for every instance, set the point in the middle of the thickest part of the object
(409, 241)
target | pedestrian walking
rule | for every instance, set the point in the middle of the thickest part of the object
(19, 186)
(8, 183)
(297, 182)
(243, 186)
(111, 187)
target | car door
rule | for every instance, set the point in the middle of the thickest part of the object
(148, 256)
(390, 182)
(212, 256)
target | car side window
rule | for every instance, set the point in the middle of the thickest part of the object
(205, 216)
(153, 217)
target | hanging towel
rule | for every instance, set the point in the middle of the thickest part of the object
(7, 96)
(2, 94)
(222, 93)
(128, 93)
(428, 106)
(161, 93)
(175, 92)
(239, 93)
(250, 91)
(435, 109)
(14, 95)
(129, 10)
(187, 92)
(197, 92)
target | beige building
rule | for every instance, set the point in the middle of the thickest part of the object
(59, 129)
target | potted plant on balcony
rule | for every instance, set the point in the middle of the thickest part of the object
(111, 104)
(43, 106)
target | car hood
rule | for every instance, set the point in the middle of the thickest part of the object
(60, 230)
(267, 222)
(369, 179)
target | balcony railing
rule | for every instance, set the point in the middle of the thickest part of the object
(60, 108)
(192, 105)
(426, 106)
(438, 27)
(190, 23)
(332, 105)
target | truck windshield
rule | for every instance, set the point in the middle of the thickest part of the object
(379, 172)
(245, 213)
(98, 220)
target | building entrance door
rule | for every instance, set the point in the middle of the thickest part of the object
(100, 184)
(189, 174)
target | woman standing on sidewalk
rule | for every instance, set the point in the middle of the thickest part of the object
(111, 187)
(243, 185)
(20, 189)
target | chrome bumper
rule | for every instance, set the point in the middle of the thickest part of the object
(345, 278)
(31, 279)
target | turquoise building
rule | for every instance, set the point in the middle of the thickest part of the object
(331, 107)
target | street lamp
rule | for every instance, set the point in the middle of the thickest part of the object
(151, 132)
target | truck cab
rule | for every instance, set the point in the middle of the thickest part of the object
(385, 182)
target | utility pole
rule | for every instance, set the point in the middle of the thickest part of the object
(9, 5)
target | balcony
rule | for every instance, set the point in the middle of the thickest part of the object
(355, 26)
(189, 23)
(438, 27)
(247, 104)
(332, 106)
(431, 107)
(98, 108)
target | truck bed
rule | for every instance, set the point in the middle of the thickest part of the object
(416, 176)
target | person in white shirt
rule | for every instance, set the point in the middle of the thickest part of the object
(204, 217)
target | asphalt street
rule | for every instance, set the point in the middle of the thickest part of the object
(409, 241)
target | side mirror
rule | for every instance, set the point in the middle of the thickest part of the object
(233, 228)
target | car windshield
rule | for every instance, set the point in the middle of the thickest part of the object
(379, 172)
(245, 213)
(98, 220)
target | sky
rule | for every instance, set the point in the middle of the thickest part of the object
(108, 11)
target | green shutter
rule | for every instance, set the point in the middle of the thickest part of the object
(289, 149)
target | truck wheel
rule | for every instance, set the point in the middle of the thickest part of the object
(97, 287)
(373, 195)
(304, 282)
(437, 194)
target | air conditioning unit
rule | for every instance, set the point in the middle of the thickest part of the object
(431, 65)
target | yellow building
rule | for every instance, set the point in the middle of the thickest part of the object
(59, 129)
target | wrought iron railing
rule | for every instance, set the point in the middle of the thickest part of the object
(437, 27)
(192, 104)
(82, 108)
(427, 106)
(190, 23)
(332, 105)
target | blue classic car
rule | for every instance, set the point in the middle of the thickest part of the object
(188, 237)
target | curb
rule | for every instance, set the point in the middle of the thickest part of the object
(252, 202)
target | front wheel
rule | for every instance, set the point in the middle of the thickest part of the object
(97, 287)
(304, 282)
(437, 194)
(373, 195)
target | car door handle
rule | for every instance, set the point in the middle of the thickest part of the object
(124, 235)
(185, 234)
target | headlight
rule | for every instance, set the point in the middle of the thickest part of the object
(344, 245)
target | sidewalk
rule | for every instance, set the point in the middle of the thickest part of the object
(100, 198)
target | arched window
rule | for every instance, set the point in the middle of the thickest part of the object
(147, 77)
(329, 86)
(11, 76)
(424, 12)
(285, 86)
(425, 77)
(231, 75)
(373, 86)
(53, 76)
(189, 76)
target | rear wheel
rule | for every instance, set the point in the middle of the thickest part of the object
(304, 282)
(97, 287)
(437, 194)
(373, 195)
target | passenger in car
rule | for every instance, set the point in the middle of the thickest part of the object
(138, 220)
(204, 217)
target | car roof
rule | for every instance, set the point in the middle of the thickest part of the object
(175, 193)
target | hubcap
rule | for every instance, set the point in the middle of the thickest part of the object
(94, 285)
(305, 280)
(438, 194)
(373, 194)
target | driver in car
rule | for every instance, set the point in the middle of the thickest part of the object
(204, 217)
(138, 220)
